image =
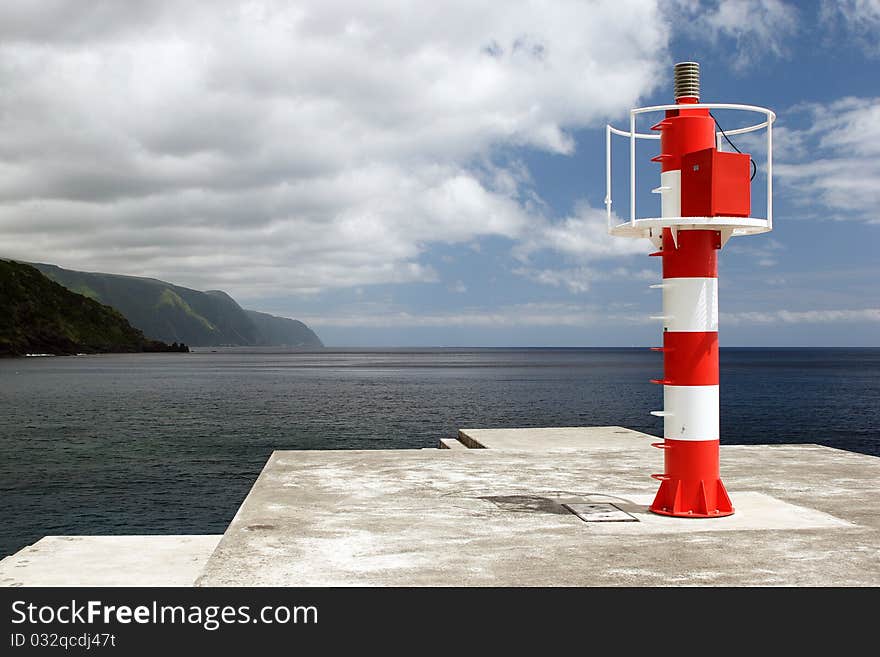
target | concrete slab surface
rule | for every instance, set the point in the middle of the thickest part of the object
(451, 443)
(493, 517)
(109, 561)
(754, 511)
(556, 439)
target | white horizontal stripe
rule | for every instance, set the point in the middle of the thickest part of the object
(690, 304)
(693, 412)
(670, 197)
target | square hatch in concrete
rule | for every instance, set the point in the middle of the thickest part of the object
(599, 512)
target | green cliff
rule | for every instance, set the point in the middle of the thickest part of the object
(37, 315)
(173, 313)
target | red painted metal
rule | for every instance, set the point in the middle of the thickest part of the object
(715, 184)
(684, 131)
(690, 358)
(691, 485)
(694, 256)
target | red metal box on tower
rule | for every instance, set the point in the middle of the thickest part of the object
(715, 183)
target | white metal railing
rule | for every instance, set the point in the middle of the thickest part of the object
(633, 135)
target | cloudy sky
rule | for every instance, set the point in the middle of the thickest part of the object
(424, 173)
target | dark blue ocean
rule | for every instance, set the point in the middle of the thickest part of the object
(171, 443)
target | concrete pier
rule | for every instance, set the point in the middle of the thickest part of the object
(109, 561)
(494, 516)
(489, 509)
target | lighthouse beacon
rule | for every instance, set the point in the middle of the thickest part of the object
(705, 199)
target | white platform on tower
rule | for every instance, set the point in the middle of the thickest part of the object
(652, 227)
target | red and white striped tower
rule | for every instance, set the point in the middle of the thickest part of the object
(691, 484)
(705, 200)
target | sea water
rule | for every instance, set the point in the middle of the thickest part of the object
(171, 443)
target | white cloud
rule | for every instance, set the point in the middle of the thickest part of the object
(757, 28)
(527, 314)
(576, 279)
(802, 316)
(788, 143)
(584, 234)
(580, 279)
(857, 20)
(837, 160)
(583, 241)
(765, 252)
(266, 147)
